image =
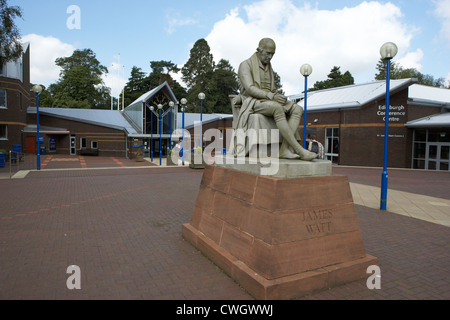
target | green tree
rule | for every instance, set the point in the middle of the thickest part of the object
(136, 85)
(80, 84)
(381, 67)
(139, 83)
(161, 71)
(45, 98)
(335, 79)
(197, 73)
(135, 82)
(398, 72)
(198, 69)
(10, 45)
(224, 82)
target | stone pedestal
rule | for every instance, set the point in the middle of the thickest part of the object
(275, 167)
(279, 238)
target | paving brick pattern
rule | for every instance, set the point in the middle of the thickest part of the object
(122, 227)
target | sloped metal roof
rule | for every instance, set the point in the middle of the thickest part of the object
(436, 120)
(148, 95)
(190, 119)
(45, 129)
(426, 95)
(106, 118)
(352, 96)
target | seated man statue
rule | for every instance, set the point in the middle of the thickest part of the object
(258, 95)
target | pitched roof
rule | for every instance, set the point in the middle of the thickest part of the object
(190, 119)
(149, 95)
(436, 120)
(426, 95)
(106, 118)
(352, 96)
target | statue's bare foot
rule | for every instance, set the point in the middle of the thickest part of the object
(288, 154)
(306, 155)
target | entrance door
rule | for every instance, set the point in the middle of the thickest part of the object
(437, 157)
(31, 145)
(73, 145)
(332, 144)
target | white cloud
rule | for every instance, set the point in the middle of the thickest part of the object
(115, 79)
(350, 38)
(175, 21)
(44, 52)
(43, 70)
(442, 11)
(412, 60)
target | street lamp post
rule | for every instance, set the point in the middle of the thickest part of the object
(183, 103)
(37, 89)
(387, 52)
(171, 105)
(151, 131)
(306, 71)
(201, 96)
(160, 106)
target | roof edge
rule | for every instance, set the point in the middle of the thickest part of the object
(32, 110)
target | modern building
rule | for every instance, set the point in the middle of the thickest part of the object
(118, 133)
(350, 123)
(105, 132)
(15, 98)
(78, 131)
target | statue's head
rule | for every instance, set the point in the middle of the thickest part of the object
(266, 50)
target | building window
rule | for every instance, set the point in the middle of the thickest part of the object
(3, 132)
(3, 99)
(419, 148)
(83, 143)
(332, 144)
(94, 145)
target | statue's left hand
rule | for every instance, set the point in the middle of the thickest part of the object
(281, 99)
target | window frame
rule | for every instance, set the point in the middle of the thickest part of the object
(6, 99)
(5, 137)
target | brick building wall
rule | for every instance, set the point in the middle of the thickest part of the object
(361, 131)
(18, 99)
(110, 142)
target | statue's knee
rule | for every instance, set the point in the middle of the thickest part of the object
(276, 108)
(278, 112)
(297, 110)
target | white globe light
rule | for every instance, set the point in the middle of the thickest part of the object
(37, 89)
(388, 50)
(306, 70)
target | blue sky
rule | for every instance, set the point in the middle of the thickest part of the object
(324, 34)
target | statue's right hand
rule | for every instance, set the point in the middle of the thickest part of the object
(237, 100)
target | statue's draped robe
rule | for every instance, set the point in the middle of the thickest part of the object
(250, 72)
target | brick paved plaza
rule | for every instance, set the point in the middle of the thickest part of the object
(122, 227)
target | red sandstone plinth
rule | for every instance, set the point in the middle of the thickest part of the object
(280, 238)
